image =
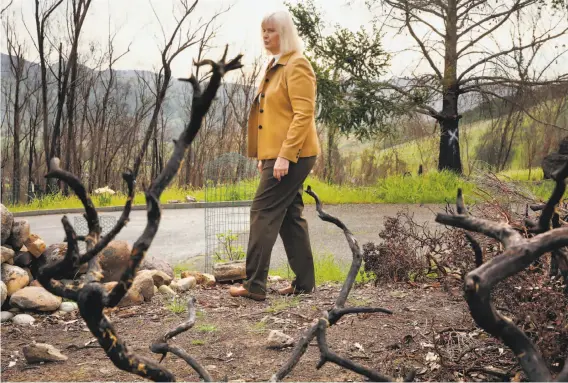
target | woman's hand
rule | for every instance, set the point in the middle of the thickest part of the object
(281, 168)
(259, 166)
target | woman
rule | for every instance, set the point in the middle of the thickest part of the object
(282, 136)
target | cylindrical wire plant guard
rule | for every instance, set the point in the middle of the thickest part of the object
(230, 184)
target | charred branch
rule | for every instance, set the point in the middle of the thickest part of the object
(519, 254)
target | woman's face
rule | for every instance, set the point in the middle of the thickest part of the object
(270, 37)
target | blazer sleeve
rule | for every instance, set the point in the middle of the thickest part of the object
(301, 83)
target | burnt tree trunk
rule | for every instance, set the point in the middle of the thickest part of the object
(449, 157)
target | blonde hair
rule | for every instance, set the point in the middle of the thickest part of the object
(289, 39)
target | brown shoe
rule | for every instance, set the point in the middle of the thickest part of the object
(240, 291)
(290, 290)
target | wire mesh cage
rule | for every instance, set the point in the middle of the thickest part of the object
(230, 184)
(107, 222)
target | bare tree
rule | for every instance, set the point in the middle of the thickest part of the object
(16, 52)
(464, 55)
(41, 20)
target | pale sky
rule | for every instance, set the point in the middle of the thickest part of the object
(134, 22)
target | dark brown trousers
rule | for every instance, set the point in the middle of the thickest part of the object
(277, 208)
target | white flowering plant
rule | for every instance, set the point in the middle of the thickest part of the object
(104, 195)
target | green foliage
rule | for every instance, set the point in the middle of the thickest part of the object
(283, 303)
(347, 65)
(229, 251)
(327, 269)
(207, 328)
(177, 306)
(197, 342)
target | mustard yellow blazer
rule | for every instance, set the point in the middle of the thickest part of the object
(282, 118)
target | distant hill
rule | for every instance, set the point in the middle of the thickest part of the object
(127, 80)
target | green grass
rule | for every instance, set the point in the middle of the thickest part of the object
(431, 187)
(283, 303)
(207, 328)
(259, 327)
(197, 342)
(327, 269)
(177, 306)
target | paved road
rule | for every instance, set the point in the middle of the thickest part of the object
(181, 237)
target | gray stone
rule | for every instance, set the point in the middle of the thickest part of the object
(5, 316)
(42, 352)
(166, 290)
(151, 263)
(23, 319)
(20, 234)
(3, 292)
(7, 255)
(145, 285)
(68, 307)
(35, 245)
(114, 260)
(14, 277)
(185, 284)
(159, 277)
(7, 220)
(35, 298)
(277, 340)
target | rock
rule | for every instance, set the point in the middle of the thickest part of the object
(278, 340)
(185, 284)
(159, 277)
(151, 263)
(5, 316)
(275, 278)
(20, 234)
(3, 292)
(35, 298)
(7, 255)
(174, 201)
(35, 283)
(23, 259)
(7, 220)
(114, 260)
(133, 296)
(166, 290)
(69, 307)
(35, 245)
(201, 279)
(209, 280)
(145, 286)
(23, 319)
(230, 271)
(14, 277)
(42, 352)
(156, 290)
(189, 198)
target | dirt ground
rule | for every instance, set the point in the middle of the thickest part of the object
(230, 334)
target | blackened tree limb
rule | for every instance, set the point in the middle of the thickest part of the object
(161, 346)
(353, 245)
(332, 316)
(519, 254)
(91, 304)
(200, 105)
(326, 355)
(74, 183)
(462, 209)
(46, 274)
(560, 187)
(128, 177)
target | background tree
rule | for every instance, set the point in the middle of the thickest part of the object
(346, 64)
(459, 41)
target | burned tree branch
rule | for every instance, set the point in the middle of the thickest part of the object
(332, 316)
(519, 254)
(90, 294)
(160, 346)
